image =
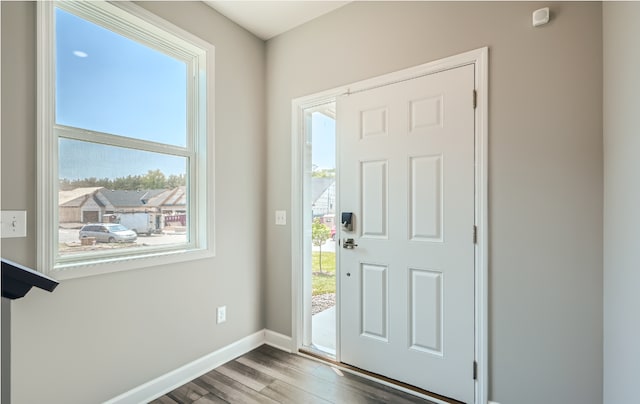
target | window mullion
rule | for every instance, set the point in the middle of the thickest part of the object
(70, 132)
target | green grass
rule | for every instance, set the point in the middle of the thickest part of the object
(322, 284)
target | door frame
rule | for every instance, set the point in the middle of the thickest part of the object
(479, 58)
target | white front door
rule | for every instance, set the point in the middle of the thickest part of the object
(406, 164)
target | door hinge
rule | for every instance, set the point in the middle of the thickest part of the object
(475, 370)
(475, 234)
(475, 99)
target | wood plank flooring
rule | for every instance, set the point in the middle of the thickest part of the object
(268, 375)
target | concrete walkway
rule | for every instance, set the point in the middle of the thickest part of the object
(323, 334)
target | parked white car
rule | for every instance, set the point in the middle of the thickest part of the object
(108, 232)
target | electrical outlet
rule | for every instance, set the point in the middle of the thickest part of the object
(281, 217)
(14, 223)
(221, 314)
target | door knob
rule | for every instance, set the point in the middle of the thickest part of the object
(349, 243)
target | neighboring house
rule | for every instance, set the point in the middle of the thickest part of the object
(323, 195)
(91, 204)
(79, 205)
(115, 201)
(171, 201)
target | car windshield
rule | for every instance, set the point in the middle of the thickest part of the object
(117, 227)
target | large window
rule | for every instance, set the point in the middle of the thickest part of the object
(125, 140)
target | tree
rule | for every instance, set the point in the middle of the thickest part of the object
(154, 179)
(323, 172)
(319, 234)
(174, 181)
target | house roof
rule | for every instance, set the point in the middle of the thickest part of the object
(319, 185)
(170, 197)
(124, 199)
(75, 197)
(128, 199)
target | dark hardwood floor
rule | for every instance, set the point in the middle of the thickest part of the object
(268, 375)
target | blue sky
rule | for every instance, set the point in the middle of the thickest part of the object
(323, 141)
(108, 83)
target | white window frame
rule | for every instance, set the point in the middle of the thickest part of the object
(136, 23)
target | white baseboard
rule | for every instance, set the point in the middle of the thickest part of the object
(492, 402)
(176, 378)
(277, 340)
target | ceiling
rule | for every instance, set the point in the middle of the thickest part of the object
(266, 19)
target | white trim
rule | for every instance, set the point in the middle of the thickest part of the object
(46, 190)
(482, 222)
(298, 304)
(448, 63)
(126, 263)
(160, 386)
(277, 340)
(1, 333)
(480, 59)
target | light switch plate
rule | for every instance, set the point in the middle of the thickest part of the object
(221, 314)
(281, 217)
(14, 223)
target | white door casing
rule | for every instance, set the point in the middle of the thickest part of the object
(479, 58)
(407, 172)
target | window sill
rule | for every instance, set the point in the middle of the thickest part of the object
(117, 264)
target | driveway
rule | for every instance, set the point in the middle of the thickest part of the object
(72, 235)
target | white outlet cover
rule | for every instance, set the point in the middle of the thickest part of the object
(14, 223)
(281, 217)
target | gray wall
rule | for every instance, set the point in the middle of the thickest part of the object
(545, 145)
(621, 201)
(97, 337)
(109, 333)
